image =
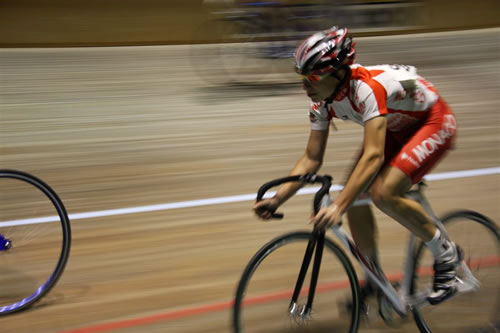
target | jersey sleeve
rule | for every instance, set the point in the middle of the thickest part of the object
(319, 116)
(371, 100)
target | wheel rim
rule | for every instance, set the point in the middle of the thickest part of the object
(38, 250)
(262, 304)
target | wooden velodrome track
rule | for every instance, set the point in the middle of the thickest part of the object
(130, 127)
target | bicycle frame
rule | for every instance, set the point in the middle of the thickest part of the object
(402, 302)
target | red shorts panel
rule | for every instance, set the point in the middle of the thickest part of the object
(417, 151)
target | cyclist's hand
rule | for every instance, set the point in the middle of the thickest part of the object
(327, 217)
(265, 208)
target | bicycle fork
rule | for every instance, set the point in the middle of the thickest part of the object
(304, 312)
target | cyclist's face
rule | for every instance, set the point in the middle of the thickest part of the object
(319, 88)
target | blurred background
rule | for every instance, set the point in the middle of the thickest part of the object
(125, 22)
(146, 105)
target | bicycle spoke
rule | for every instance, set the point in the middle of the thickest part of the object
(38, 251)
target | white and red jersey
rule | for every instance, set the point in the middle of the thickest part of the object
(396, 91)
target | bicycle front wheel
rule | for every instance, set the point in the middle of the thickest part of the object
(34, 240)
(473, 311)
(265, 290)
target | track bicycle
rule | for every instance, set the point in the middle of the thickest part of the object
(272, 297)
(35, 240)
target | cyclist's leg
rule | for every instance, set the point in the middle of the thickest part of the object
(387, 194)
(363, 225)
(364, 233)
(424, 147)
(361, 219)
(363, 229)
(422, 151)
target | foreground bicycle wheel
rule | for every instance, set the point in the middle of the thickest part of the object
(468, 312)
(35, 240)
(265, 290)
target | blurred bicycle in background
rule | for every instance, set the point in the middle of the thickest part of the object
(250, 41)
(253, 40)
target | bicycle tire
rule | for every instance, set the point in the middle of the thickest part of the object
(489, 227)
(279, 243)
(56, 273)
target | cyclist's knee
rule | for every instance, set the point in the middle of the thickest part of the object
(382, 197)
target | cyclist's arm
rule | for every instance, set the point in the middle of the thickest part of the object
(310, 162)
(368, 165)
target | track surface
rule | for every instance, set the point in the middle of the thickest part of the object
(113, 128)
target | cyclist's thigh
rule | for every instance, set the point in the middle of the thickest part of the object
(428, 145)
(391, 181)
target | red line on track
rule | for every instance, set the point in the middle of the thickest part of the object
(203, 309)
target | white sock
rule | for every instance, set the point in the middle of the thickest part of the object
(436, 245)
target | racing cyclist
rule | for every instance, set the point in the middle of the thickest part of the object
(408, 128)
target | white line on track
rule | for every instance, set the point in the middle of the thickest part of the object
(228, 199)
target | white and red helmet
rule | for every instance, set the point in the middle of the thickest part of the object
(324, 52)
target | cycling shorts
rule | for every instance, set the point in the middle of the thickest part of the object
(417, 151)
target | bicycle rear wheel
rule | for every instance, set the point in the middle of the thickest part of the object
(476, 311)
(265, 290)
(35, 240)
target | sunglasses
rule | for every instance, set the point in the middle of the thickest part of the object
(314, 77)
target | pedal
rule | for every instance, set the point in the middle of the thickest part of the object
(387, 311)
(369, 311)
(388, 314)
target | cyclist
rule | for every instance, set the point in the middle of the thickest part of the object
(408, 128)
